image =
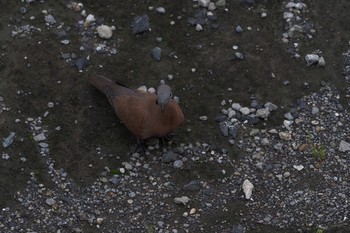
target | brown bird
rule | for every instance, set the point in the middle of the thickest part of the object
(145, 114)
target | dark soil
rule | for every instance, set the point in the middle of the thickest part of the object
(32, 73)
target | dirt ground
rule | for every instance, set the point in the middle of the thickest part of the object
(33, 73)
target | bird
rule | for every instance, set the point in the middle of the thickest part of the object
(146, 115)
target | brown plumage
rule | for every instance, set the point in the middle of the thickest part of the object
(146, 115)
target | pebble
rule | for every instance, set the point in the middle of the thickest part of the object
(344, 146)
(39, 137)
(105, 31)
(181, 200)
(50, 201)
(203, 118)
(9, 140)
(169, 157)
(156, 53)
(178, 164)
(239, 29)
(247, 189)
(311, 59)
(140, 24)
(50, 19)
(161, 10)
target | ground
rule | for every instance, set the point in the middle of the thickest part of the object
(33, 73)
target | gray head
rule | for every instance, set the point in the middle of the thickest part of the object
(164, 95)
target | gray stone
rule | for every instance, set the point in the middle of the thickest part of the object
(239, 29)
(344, 146)
(50, 19)
(141, 24)
(8, 141)
(244, 110)
(156, 53)
(272, 107)
(181, 200)
(169, 156)
(39, 137)
(263, 113)
(194, 185)
(178, 164)
(311, 59)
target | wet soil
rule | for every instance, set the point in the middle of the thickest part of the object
(32, 73)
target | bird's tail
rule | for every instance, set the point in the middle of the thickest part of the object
(101, 82)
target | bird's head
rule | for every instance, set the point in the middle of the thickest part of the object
(164, 95)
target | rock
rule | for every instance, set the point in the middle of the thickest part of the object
(236, 106)
(239, 55)
(105, 31)
(193, 186)
(89, 19)
(181, 200)
(8, 141)
(270, 106)
(50, 19)
(247, 189)
(239, 29)
(344, 146)
(211, 6)
(223, 128)
(321, 62)
(178, 164)
(81, 63)
(315, 110)
(203, 3)
(140, 24)
(244, 110)
(50, 201)
(311, 59)
(288, 116)
(221, 3)
(39, 137)
(199, 27)
(298, 167)
(203, 118)
(156, 53)
(161, 10)
(285, 136)
(169, 156)
(263, 113)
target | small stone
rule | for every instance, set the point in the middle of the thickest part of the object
(236, 106)
(344, 146)
(141, 24)
(239, 55)
(199, 27)
(311, 59)
(169, 156)
(239, 29)
(50, 104)
(272, 107)
(285, 136)
(315, 110)
(193, 186)
(244, 110)
(203, 3)
(105, 31)
(263, 113)
(156, 53)
(178, 164)
(203, 118)
(298, 167)
(50, 19)
(8, 141)
(220, 3)
(181, 200)
(321, 62)
(50, 201)
(81, 63)
(39, 137)
(161, 10)
(90, 18)
(247, 189)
